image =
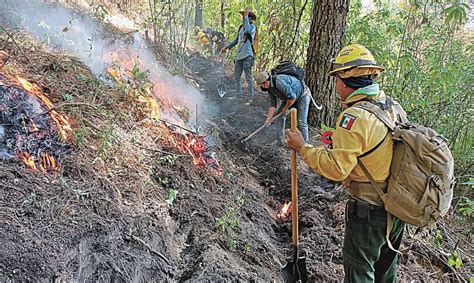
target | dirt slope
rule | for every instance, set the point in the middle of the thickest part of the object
(105, 216)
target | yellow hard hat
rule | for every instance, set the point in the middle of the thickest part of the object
(355, 56)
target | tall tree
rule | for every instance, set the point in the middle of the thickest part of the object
(222, 15)
(198, 15)
(327, 29)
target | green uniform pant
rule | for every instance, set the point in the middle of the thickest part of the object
(367, 257)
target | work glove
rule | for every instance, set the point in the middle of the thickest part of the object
(223, 51)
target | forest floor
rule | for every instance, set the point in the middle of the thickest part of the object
(105, 216)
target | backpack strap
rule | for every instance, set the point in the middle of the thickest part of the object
(375, 185)
(249, 36)
(383, 117)
(398, 108)
(378, 189)
(273, 79)
(378, 112)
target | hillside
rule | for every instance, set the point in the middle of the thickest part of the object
(108, 172)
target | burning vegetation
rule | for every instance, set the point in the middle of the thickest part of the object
(30, 127)
(284, 212)
(149, 98)
(36, 133)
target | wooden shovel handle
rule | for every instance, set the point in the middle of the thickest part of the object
(294, 182)
(261, 128)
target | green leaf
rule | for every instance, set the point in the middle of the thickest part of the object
(68, 97)
(172, 196)
(451, 261)
(454, 260)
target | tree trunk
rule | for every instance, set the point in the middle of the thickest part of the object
(198, 15)
(222, 16)
(327, 29)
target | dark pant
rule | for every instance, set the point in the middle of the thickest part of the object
(367, 257)
(245, 65)
(302, 105)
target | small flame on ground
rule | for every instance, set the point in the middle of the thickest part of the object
(27, 159)
(194, 146)
(285, 211)
(33, 127)
(41, 161)
(62, 121)
(46, 163)
(187, 143)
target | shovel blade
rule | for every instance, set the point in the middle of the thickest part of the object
(221, 91)
(295, 271)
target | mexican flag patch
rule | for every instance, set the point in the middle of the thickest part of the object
(347, 121)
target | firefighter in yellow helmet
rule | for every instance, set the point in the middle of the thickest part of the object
(360, 140)
(201, 37)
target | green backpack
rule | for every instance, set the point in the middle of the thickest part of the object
(421, 183)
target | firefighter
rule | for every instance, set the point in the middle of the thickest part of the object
(202, 38)
(247, 37)
(293, 93)
(372, 237)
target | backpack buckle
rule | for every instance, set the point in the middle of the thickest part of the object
(397, 132)
(437, 181)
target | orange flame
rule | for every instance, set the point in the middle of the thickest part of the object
(151, 96)
(187, 143)
(285, 211)
(61, 121)
(33, 127)
(27, 159)
(151, 108)
(48, 163)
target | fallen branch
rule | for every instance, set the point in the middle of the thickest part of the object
(146, 245)
(75, 104)
(202, 273)
(175, 125)
(14, 41)
(441, 260)
(92, 125)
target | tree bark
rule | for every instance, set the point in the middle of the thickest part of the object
(198, 15)
(222, 15)
(327, 29)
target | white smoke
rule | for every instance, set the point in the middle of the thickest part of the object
(85, 38)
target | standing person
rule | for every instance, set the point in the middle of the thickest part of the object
(217, 40)
(360, 139)
(293, 93)
(203, 39)
(245, 53)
